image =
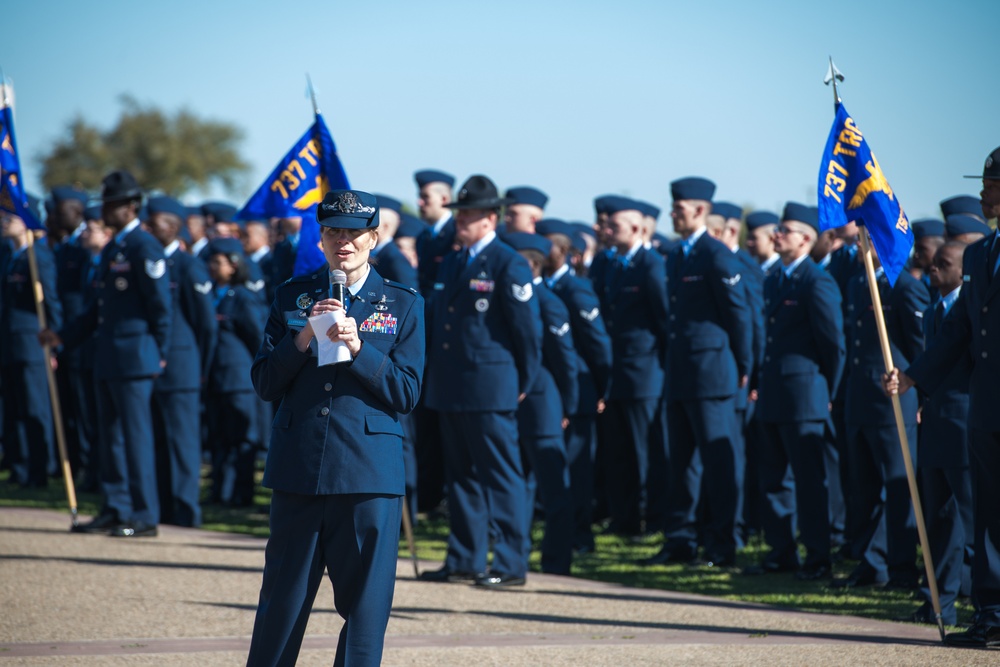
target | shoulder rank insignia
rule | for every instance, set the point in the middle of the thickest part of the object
(592, 315)
(255, 285)
(203, 288)
(303, 301)
(155, 270)
(560, 331)
(522, 294)
(732, 281)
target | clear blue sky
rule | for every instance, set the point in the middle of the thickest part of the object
(578, 98)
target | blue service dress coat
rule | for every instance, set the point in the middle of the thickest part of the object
(72, 269)
(805, 352)
(971, 328)
(393, 265)
(336, 466)
(590, 339)
(753, 284)
(431, 250)
(710, 328)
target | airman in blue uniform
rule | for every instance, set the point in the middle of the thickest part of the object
(27, 410)
(971, 328)
(544, 413)
(336, 461)
(485, 352)
(802, 366)
(593, 348)
(132, 318)
(887, 535)
(436, 241)
(709, 359)
(632, 290)
(526, 208)
(176, 406)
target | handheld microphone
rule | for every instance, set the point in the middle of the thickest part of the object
(338, 285)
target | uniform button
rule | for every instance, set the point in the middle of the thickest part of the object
(325, 411)
(673, 317)
(771, 320)
(857, 343)
(985, 309)
(673, 336)
(447, 327)
(444, 346)
(100, 302)
(859, 323)
(984, 354)
(100, 320)
(767, 358)
(328, 387)
(770, 340)
(451, 309)
(983, 332)
(856, 361)
(673, 298)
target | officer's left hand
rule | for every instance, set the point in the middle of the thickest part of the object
(565, 422)
(346, 331)
(744, 380)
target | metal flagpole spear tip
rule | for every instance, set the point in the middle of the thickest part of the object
(833, 75)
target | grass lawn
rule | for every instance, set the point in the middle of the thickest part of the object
(612, 561)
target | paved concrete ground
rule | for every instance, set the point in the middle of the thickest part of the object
(188, 597)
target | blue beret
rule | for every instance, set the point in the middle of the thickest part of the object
(960, 223)
(647, 209)
(164, 204)
(727, 210)
(524, 241)
(927, 227)
(92, 213)
(425, 176)
(547, 226)
(617, 204)
(385, 201)
(760, 218)
(584, 228)
(62, 193)
(225, 246)
(802, 213)
(527, 195)
(961, 204)
(410, 226)
(220, 211)
(348, 209)
(692, 187)
(576, 237)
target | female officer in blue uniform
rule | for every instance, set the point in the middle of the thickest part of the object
(233, 421)
(335, 461)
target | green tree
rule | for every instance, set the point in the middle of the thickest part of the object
(172, 153)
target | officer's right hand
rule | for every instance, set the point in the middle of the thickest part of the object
(50, 338)
(600, 406)
(303, 338)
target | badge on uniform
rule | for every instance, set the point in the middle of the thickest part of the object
(381, 304)
(155, 270)
(303, 301)
(255, 285)
(381, 323)
(438, 286)
(692, 279)
(522, 293)
(592, 315)
(477, 285)
(731, 282)
(120, 265)
(121, 284)
(482, 305)
(560, 331)
(203, 288)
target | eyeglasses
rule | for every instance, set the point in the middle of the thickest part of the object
(786, 230)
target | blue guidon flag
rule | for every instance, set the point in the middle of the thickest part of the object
(853, 187)
(13, 199)
(296, 186)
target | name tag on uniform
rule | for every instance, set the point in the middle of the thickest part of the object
(790, 302)
(631, 289)
(478, 285)
(120, 267)
(692, 279)
(381, 323)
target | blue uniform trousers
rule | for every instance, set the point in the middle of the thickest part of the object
(178, 456)
(985, 465)
(752, 495)
(581, 446)
(486, 489)
(546, 465)
(706, 426)
(356, 538)
(128, 461)
(27, 424)
(946, 497)
(233, 420)
(800, 446)
(76, 400)
(835, 489)
(888, 533)
(627, 427)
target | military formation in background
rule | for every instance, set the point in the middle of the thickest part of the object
(598, 375)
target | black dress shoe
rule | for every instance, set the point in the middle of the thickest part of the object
(135, 529)
(813, 572)
(669, 554)
(978, 636)
(498, 580)
(925, 615)
(769, 567)
(444, 575)
(902, 584)
(103, 523)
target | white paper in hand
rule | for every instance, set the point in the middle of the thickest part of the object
(328, 351)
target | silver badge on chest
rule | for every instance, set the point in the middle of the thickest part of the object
(482, 305)
(121, 284)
